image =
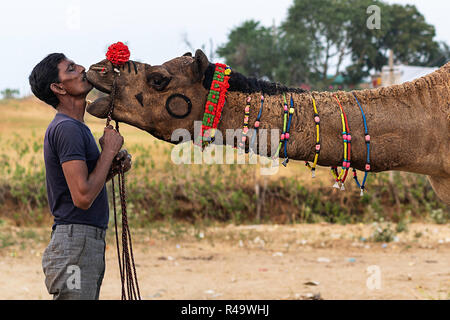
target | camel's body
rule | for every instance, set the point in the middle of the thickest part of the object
(409, 124)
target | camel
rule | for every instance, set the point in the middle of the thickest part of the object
(409, 124)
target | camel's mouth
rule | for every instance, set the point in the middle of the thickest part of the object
(96, 75)
(100, 107)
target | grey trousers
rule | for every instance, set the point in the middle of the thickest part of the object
(74, 262)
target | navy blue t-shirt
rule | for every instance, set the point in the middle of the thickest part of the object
(69, 139)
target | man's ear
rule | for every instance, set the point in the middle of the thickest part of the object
(200, 64)
(57, 88)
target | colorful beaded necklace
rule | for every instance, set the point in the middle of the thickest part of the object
(286, 127)
(214, 104)
(256, 125)
(245, 129)
(347, 144)
(367, 139)
(317, 148)
(286, 135)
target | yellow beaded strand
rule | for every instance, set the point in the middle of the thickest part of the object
(317, 147)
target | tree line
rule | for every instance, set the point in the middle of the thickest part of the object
(321, 40)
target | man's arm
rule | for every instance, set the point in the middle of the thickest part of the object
(84, 187)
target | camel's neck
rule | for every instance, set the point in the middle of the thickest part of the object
(397, 123)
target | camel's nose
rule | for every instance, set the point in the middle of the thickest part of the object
(100, 76)
(101, 67)
(98, 68)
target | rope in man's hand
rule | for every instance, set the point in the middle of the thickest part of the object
(127, 268)
(118, 53)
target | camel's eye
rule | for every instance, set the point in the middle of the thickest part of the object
(158, 81)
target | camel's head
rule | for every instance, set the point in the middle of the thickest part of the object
(157, 99)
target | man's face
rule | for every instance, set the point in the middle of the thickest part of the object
(73, 78)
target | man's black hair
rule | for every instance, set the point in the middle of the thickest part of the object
(43, 75)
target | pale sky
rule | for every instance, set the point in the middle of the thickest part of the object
(82, 29)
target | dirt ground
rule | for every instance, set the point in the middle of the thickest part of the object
(300, 261)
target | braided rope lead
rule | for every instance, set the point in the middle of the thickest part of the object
(127, 261)
(117, 236)
(367, 139)
(127, 246)
(113, 95)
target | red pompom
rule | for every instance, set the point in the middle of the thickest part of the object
(118, 53)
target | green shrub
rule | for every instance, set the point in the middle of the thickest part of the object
(161, 190)
(383, 233)
(439, 216)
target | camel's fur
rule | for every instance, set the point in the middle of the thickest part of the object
(409, 124)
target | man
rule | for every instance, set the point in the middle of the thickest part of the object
(76, 173)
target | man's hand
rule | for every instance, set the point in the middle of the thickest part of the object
(122, 159)
(111, 141)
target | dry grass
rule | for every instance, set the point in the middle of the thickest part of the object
(27, 119)
(159, 188)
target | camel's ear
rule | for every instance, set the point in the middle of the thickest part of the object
(187, 54)
(200, 64)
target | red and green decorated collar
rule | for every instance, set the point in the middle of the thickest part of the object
(214, 104)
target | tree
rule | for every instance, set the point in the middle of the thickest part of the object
(323, 24)
(252, 50)
(403, 29)
(323, 39)
(10, 93)
(365, 42)
(441, 56)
